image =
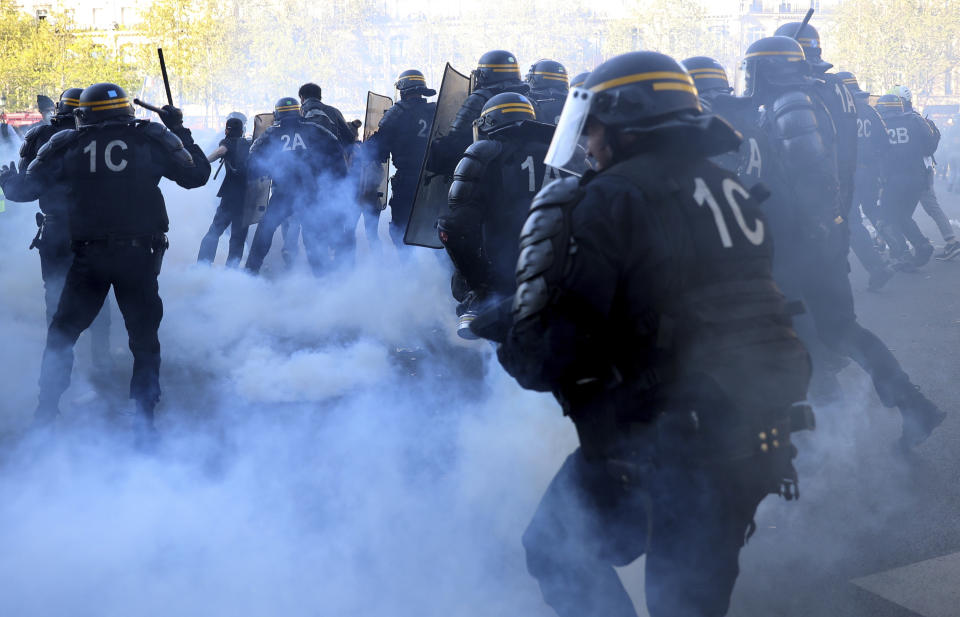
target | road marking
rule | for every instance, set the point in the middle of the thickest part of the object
(929, 588)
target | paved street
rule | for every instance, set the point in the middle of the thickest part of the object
(874, 533)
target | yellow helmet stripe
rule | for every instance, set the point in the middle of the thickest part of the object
(672, 85)
(708, 73)
(106, 102)
(106, 107)
(498, 66)
(511, 107)
(564, 75)
(793, 54)
(807, 41)
(288, 108)
(637, 77)
(413, 77)
(73, 102)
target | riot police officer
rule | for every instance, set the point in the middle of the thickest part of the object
(497, 71)
(645, 303)
(492, 188)
(403, 133)
(110, 168)
(872, 145)
(578, 79)
(53, 231)
(905, 175)
(806, 222)
(548, 81)
(233, 151)
(307, 166)
(713, 87)
(839, 102)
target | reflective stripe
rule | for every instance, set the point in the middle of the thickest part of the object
(558, 76)
(793, 54)
(120, 105)
(413, 77)
(498, 66)
(637, 77)
(100, 104)
(669, 85)
(74, 102)
(288, 108)
(515, 106)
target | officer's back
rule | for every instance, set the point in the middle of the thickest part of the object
(112, 169)
(297, 153)
(910, 139)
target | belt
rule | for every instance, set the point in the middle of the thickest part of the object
(135, 242)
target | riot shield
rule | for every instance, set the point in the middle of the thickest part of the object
(373, 177)
(431, 199)
(258, 189)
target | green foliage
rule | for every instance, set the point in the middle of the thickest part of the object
(48, 56)
(888, 42)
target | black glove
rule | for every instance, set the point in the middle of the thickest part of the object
(7, 172)
(172, 118)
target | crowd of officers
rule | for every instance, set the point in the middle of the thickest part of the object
(613, 234)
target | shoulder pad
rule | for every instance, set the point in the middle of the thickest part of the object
(788, 101)
(59, 142)
(484, 150)
(392, 115)
(166, 138)
(470, 170)
(560, 191)
(478, 99)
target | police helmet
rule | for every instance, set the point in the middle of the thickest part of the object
(708, 75)
(577, 81)
(850, 81)
(69, 101)
(101, 102)
(889, 104)
(286, 107)
(497, 66)
(636, 92)
(503, 111)
(809, 39)
(774, 60)
(547, 74)
(412, 81)
(903, 92)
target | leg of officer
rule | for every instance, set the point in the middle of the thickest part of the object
(587, 523)
(83, 294)
(137, 291)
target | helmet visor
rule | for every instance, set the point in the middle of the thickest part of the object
(567, 150)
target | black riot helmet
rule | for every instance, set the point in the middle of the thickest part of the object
(577, 81)
(504, 111)
(646, 94)
(850, 81)
(809, 39)
(708, 75)
(287, 107)
(773, 61)
(495, 67)
(69, 101)
(548, 75)
(412, 82)
(890, 105)
(101, 102)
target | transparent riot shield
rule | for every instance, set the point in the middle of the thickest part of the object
(374, 183)
(431, 199)
(258, 189)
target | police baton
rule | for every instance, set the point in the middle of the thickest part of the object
(166, 80)
(796, 36)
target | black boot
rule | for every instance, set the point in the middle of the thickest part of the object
(920, 418)
(145, 436)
